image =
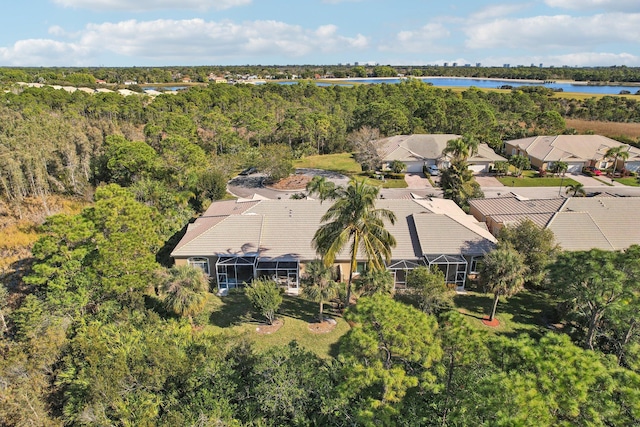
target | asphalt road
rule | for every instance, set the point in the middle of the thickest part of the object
(247, 186)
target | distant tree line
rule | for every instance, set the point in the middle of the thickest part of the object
(55, 142)
(119, 75)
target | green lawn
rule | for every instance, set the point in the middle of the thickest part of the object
(528, 179)
(342, 163)
(387, 183)
(233, 312)
(526, 312)
(631, 181)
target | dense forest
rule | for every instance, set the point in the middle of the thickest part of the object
(92, 331)
(88, 76)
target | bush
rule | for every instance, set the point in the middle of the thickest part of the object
(266, 297)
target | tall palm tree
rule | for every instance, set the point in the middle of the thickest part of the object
(321, 186)
(503, 273)
(318, 285)
(461, 148)
(577, 189)
(186, 291)
(355, 221)
(619, 152)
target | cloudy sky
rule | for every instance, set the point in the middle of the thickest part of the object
(238, 32)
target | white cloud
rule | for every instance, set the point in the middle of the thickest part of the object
(146, 5)
(497, 10)
(608, 5)
(580, 59)
(184, 41)
(38, 52)
(424, 38)
(559, 31)
(589, 59)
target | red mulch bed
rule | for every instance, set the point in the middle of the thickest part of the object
(493, 323)
(292, 182)
(269, 329)
(324, 327)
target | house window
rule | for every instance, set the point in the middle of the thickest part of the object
(514, 151)
(603, 165)
(201, 263)
(476, 263)
(361, 267)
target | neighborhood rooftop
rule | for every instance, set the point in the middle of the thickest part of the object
(578, 223)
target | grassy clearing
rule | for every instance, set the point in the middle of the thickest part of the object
(610, 129)
(527, 312)
(528, 179)
(342, 163)
(234, 312)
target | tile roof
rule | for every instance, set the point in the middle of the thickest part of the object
(440, 234)
(570, 147)
(284, 229)
(515, 205)
(428, 147)
(579, 223)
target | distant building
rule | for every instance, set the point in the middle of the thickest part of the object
(506, 65)
(478, 64)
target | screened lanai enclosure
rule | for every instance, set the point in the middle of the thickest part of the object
(454, 268)
(236, 271)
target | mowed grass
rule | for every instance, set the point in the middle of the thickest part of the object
(527, 312)
(387, 183)
(234, 313)
(342, 163)
(631, 181)
(528, 179)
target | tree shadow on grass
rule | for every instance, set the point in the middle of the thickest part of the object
(235, 309)
(299, 308)
(474, 305)
(531, 308)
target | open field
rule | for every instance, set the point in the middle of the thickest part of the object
(342, 163)
(610, 129)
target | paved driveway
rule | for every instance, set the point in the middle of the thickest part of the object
(417, 181)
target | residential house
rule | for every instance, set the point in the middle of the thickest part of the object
(577, 151)
(236, 241)
(418, 150)
(578, 223)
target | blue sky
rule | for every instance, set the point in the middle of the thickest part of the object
(239, 32)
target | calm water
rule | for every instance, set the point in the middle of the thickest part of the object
(493, 84)
(465, 82)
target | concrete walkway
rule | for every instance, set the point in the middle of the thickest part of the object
(588, 181)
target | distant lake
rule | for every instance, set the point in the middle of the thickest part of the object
(496, 83)
(165, 88)
(457, 82)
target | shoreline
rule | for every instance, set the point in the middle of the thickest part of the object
(495, 79)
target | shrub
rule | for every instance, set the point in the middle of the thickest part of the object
(266, 297)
